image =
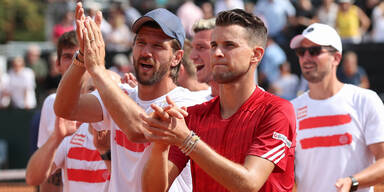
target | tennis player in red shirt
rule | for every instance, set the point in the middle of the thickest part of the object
(242, 140)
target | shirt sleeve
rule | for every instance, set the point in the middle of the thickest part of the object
(275, 137)
(374, 118)
(61, 153)
(47, 121)
(107, 119)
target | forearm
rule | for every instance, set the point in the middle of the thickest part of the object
(40, 164)
(155, 172)
(233, 176)
(68, 93)
(372, 175)
(123, 110)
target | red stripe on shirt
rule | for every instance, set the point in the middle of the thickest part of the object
(324, 121)
(326, 141)
(81, 153)
(122, 140)
(88, 176)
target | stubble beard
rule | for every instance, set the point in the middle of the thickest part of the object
(156, 76)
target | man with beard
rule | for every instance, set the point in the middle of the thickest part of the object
(242, 140)
(339, 126)
(157, 52)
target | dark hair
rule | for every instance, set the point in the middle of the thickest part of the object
(174, 71)
(66, 41)
(257, 32)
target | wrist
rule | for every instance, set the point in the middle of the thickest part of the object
(354, 184)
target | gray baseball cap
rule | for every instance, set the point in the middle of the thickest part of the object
(168, 22)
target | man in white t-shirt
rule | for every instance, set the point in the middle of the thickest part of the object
(157, 52)
(340, 131)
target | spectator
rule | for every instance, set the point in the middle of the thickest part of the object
(223, 5)
(189, 13)
(378, 23)
(39, 68)
(340, 135)
(66, 24)
(278, 15)
(305, 15)
(269, 67)
(121, 64)
(351, 73)
(207, 9)
(54, 75)
(22, 85)
(131, 13)
(327, 12)
(351, 22)
(4, 87)
(286, 85)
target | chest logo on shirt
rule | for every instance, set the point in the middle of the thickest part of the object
(78, 139)
(325, 122)
(302, 112)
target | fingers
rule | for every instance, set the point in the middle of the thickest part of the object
(154, 122)
(89, 28)
(169, 101)
(98, 18)
(86, 41)
(160, 113)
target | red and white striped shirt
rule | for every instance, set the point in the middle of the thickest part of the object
(83, 168)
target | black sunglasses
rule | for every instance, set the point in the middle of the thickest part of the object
(313, 51)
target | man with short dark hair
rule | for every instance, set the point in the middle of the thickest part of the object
(242, 140)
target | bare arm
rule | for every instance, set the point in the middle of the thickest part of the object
(250, 176)
(371, 175)
(68, 103)
(364, 21)
(123, 110)
(40, 165)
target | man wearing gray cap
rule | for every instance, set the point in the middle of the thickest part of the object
(157, 52)
(340, 131)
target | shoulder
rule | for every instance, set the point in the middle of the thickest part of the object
(184, 97)
(361, 95)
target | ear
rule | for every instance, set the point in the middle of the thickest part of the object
(337, 58)
(258, 53)
(176, 58)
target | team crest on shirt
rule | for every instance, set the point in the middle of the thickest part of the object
(302, 112)
(78, 139)
(282, 138)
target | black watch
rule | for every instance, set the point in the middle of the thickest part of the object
(354, 184)
(106, 156)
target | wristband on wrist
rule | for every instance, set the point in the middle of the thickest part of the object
(354, 184)
(76, 60)
(106, 156)
(189, 143)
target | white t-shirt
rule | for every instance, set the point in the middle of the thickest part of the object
(333, 135)
(128, 158)
(22, 88)
(47, 120)
(83, 168)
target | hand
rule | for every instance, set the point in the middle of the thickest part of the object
(65, 127)
(129, 79)
(80, 18)
(94, 48)
(166, 125)
(343, 184)
(101, 140)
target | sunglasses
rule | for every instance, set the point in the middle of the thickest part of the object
(313, 51)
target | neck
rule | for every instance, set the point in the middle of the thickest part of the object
(234, 94)
(324, 89)
(150, 92)
(194, 85)
(214, 88)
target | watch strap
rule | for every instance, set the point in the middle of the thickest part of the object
(106, 156)
(354, 184)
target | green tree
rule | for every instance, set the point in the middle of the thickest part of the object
(21, 20)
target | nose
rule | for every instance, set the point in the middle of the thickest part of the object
(216, 52)
(146, 51)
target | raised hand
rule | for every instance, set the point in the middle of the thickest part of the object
(65, 127)
(94, 48)
(80, 18)
(129, 79)
(343, 184)
(102, 140)
(166, 125)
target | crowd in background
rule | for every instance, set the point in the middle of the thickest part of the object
(31, 77)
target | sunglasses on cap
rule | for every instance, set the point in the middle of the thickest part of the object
(313, 51)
